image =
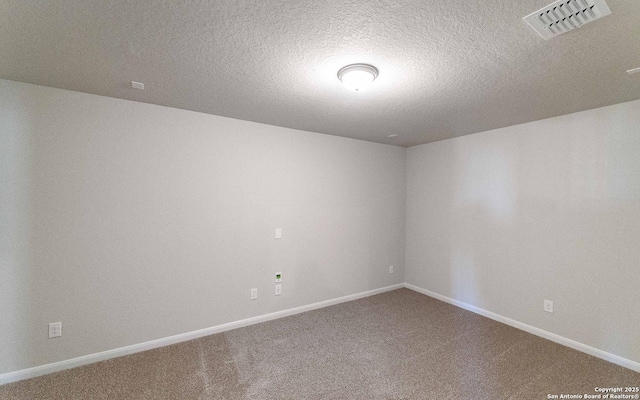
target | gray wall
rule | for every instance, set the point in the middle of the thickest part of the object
(130, 222)
(546, 210)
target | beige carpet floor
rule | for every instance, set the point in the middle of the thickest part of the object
(396, 345)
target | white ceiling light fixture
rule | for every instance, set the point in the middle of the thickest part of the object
(357, 76)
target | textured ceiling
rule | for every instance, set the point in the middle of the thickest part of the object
(447, 68)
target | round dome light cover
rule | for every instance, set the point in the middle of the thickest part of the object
(357, 76)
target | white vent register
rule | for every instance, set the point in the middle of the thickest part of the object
(565, 15)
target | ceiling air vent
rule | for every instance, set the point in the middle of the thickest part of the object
(562, 16)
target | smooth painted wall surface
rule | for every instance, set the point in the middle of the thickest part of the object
(545, 210)
(130, 222)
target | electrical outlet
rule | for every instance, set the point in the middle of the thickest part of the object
(278, 233)
(254, 293)
(278, 277)
(548, 306)
(55, 329)
(278, 290)
(391, 269)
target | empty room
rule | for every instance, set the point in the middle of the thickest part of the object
(298, 199)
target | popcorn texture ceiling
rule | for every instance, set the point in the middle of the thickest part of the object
(447, 68)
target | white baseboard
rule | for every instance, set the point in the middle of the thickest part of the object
(183, 337)
(624, 362)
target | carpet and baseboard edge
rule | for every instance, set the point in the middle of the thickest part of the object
(33, 372)
(183, 337)
(624, 362)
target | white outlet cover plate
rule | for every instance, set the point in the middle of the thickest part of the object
(391, 269)
(254, 293)
(278, 290)
(55, 329)
(278, 233)
(278, 274)
(548, 306)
